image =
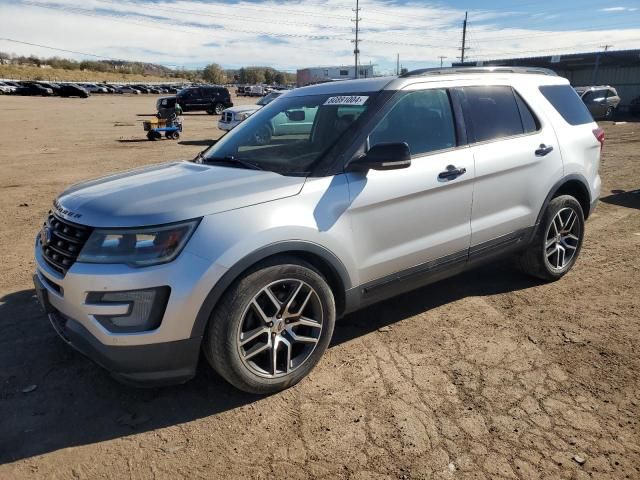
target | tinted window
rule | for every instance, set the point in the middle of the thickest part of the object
(592, 96)
(529, 121)
(423, 119)
(568, 104)
(493, 112)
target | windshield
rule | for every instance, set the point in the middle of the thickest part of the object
(268, 99)
(289, 135)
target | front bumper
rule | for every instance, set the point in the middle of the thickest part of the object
(226, 126)
(139, 365)
(167, 354)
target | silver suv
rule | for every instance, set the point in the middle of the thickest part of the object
(252, 251)
(601, 101)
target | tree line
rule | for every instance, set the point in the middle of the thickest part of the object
(212, 73)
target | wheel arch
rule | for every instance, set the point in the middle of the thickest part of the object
(576, 186)
(319, 257)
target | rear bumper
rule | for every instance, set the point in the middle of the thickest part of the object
(140, 365)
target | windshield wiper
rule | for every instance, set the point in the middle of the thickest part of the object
(232, 160)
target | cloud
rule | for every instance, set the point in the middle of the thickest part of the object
(293, 34)
(618, 9)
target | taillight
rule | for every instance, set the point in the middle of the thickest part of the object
(599, 134)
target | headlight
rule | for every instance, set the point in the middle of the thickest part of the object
(244, 116)
(138, 247)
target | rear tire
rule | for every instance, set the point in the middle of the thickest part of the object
(245, 330)
(557, 241)
(218, 108)
(609, 113)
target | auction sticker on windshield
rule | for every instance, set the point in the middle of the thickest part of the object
(346, 100)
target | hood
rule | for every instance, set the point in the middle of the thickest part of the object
(170, 193)
(244, 109)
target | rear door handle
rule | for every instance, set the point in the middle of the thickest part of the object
(543, 150)
(451, 172)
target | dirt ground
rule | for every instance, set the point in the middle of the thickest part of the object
(486, 375)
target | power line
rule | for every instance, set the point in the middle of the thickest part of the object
(518, 52)
(104, 15)
(61, 49)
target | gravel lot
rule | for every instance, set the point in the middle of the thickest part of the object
(486, 375)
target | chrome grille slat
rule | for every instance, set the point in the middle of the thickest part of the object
(67, 240)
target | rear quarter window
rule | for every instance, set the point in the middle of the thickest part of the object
(567, 103)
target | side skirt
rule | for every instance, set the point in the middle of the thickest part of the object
(435, 270)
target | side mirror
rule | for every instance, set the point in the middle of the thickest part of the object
(295, 115)
(383, 156)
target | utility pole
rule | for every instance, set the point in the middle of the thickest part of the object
(356, 50)
(594, 75)
(464, 38)
(441, 57)
(398, 65)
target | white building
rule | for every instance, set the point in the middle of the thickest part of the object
(307, 76)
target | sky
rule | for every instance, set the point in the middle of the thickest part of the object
(294, 34)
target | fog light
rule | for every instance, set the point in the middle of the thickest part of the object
(146, 309)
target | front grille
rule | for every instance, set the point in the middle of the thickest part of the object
(65, 241)
(228, 117)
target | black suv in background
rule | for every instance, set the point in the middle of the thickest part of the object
(209, 98)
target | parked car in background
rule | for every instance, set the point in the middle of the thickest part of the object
(93, 88)
(602, 101)
(231, 117)
(34, 89)
(257, 91)
(55, 88)
(128, 89)
(212, 99)
(5, 88)
(73, 90)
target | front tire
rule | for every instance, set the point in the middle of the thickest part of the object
(557, 242)
(271, 327)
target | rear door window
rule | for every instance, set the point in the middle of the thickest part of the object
(423, 119)
(567, 103)
(492, 112)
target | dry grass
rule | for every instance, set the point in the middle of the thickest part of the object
(27, 72)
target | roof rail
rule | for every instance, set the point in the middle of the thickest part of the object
(455, 70)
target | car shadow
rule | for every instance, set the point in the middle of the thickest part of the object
(52, 397)
(198, 143)
(622, 198)
(132, 140)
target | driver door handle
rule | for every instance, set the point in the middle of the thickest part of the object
(451, 172)
(543, 150)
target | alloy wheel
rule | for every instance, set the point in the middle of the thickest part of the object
(280, 328)
(562, 239)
